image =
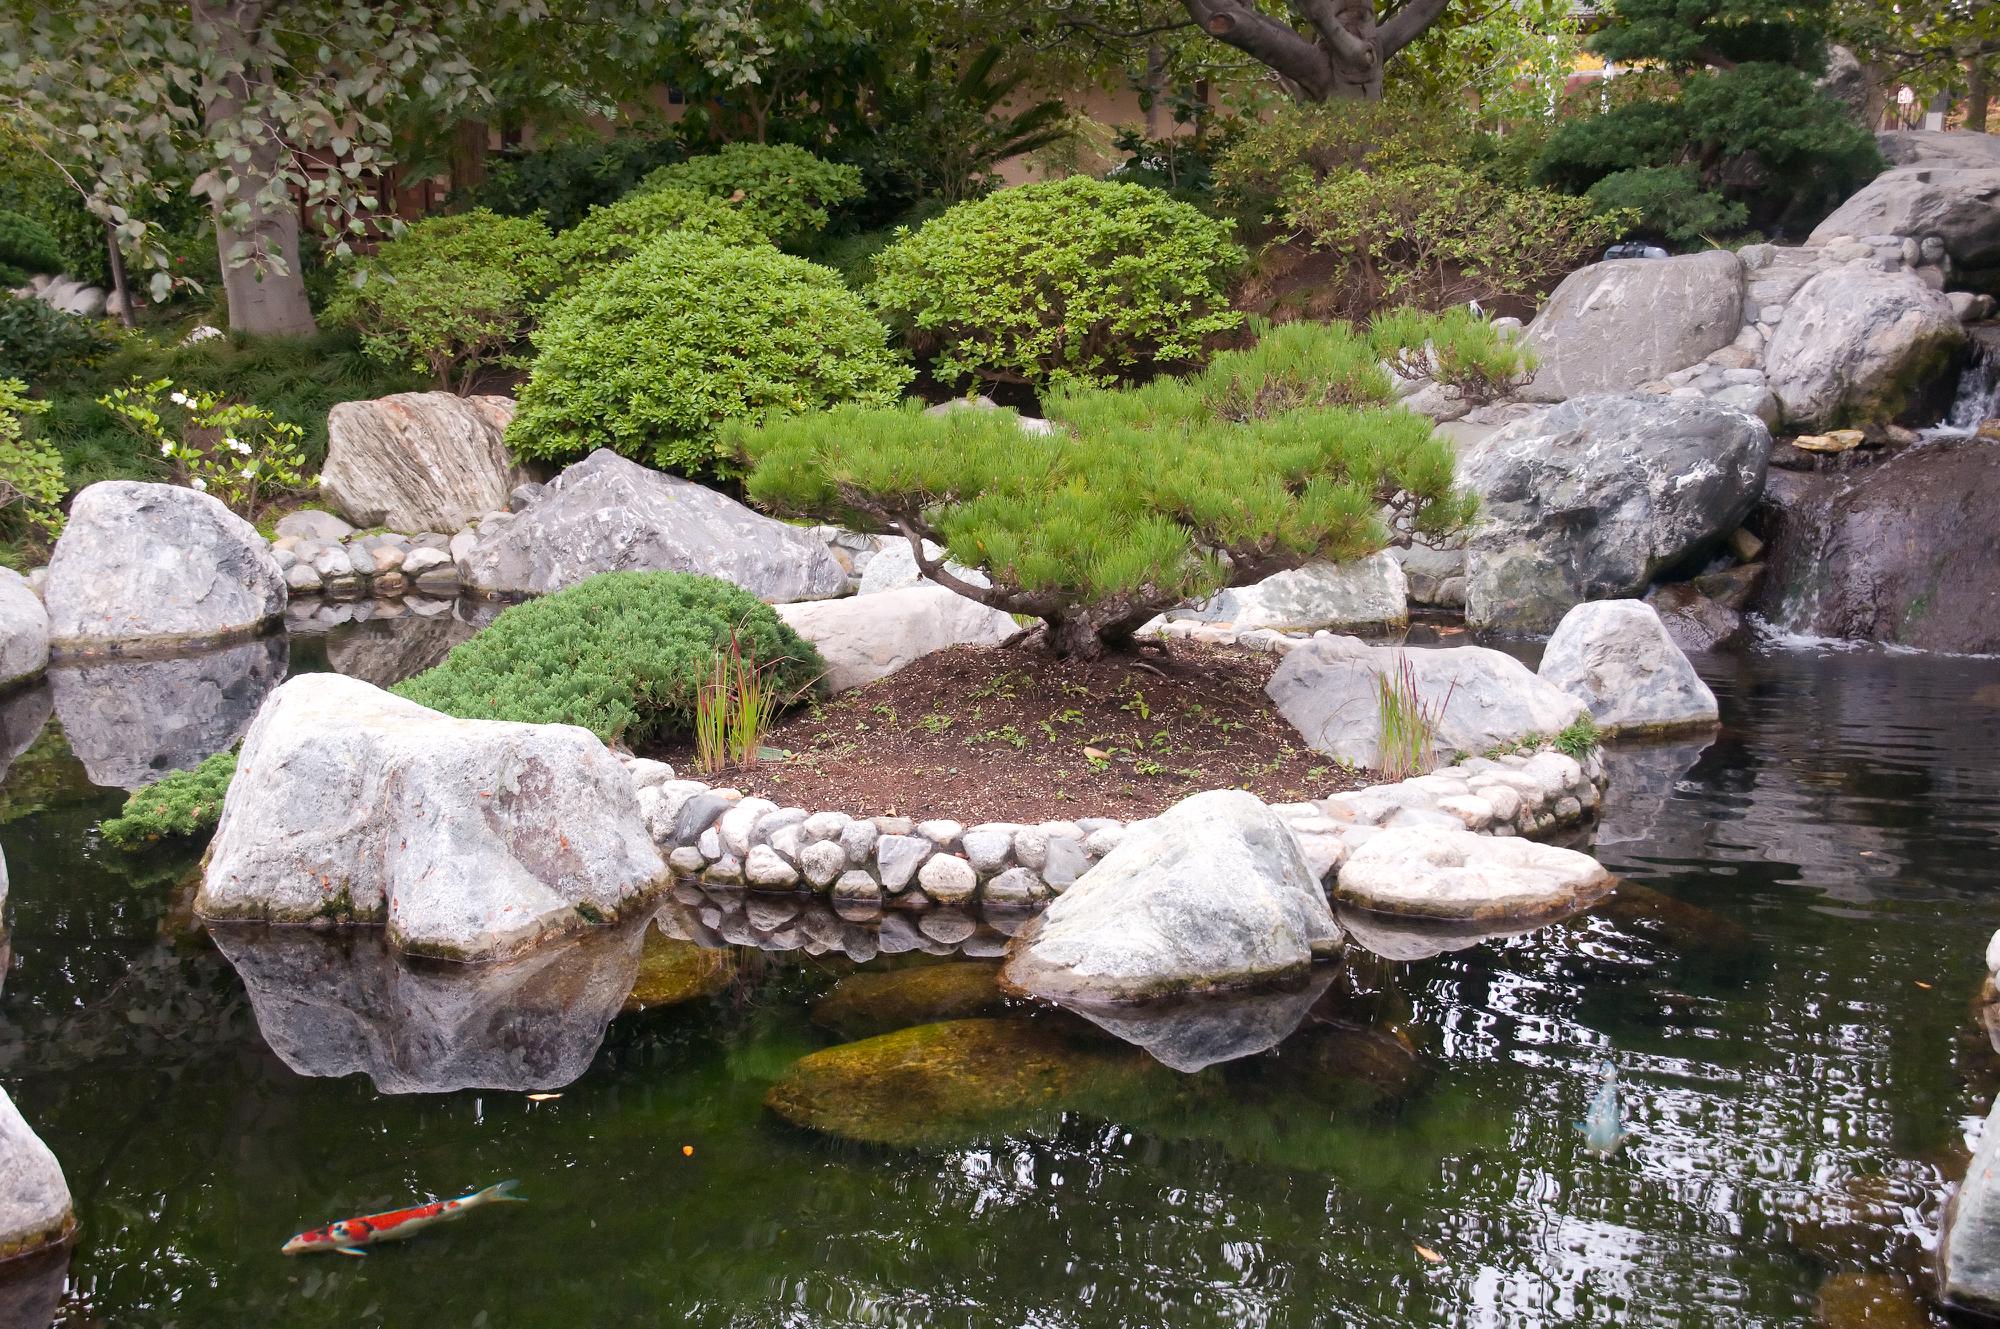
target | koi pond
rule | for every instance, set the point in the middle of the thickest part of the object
(1786, 987)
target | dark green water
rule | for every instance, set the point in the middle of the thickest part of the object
(1837, 846)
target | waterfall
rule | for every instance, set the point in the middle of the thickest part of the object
(1978, 398)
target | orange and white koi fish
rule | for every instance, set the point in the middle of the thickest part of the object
(348, 1236)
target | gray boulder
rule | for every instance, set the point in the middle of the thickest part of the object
(607, 514)
(1861, 347)
(35, 1207)
(1369, 594)
(1437, 873)
(895, 567)
(419, 461)
(1931, 147)
(1969, 1249)
(1615, 656)
(1593, 498)
(1958, 204)
(24, 629)
(467, 839)
(1328, 690)
(866, 637)
(145, 566)
(1614, 325)
(132, 721)
(312, 524)
(1213, 893)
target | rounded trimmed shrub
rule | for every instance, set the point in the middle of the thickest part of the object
(613, 233)
(649, 357)
(785, 188)
(1076, 280)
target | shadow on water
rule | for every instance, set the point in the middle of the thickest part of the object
(1784, 982)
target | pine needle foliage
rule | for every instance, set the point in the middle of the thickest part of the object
(1146, 498)
(180, 806)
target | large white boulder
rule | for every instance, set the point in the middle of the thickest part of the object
(895, 567)
(24, 629)
(1611, 326)
(35, 1207)
(1860, 347)
(866, 637)
(1434, 872)
(467, 839)
(1615, 656)
(1367, 595)
(419, 461)
(1592, 499)
(1329, 690)
(1969, 1249)
(608, 514)
(1958, 204)
(1213, 893)
(145, 566)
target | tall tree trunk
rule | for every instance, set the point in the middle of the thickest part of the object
(1356, 80)
(468, 155)
(260, 257)
(121, 290)
(1978, 92)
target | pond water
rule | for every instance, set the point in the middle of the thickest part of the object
(1786, 992)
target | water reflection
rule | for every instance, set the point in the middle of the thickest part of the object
(1193, 1033)
(385, 651)
(132, 721)
(332, 1004)
(31, 1289)
(23, 713)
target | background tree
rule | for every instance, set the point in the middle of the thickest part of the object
(1321, 49)
(1943, 46)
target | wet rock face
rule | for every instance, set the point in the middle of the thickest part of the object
(342, 1004)
(1611, 326)
(132, 721)
(467, 839)
(607, 514)
(1906, 552)
(1594, 498)
(419, 461)
(145, 566)
(1969, 1250)
(1859, 347)
(1213, 893)
(34, 1198)
(1615, 656)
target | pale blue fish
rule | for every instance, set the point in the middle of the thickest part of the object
(1603, 1129)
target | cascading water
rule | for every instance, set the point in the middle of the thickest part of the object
(1978, 396)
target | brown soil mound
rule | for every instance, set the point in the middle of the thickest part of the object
(987, 734)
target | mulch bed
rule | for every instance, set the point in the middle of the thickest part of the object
(992, 734)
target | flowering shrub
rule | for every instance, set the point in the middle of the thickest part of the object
(240, 453)
(31, 474)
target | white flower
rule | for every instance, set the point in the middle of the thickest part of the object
(166, 449)
(237, 445)
(198, 483)
(250, 471)
(179, 398)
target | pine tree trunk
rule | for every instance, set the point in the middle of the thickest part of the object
(1075, 639)
(1978, 92)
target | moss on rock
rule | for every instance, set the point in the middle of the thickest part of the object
(869, 1003)
(672, 971)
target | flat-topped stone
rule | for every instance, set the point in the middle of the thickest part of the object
(1424, 872)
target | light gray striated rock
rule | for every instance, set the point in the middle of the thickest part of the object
(863, 638)
(1430, 872)
(34, 1199)
(312, 524)
(1213, 893)
(1611, 326)
(1593, 498)
(1861, 347)
(1367, 595)
(1328, 689)
(1616, 657)
(895, 567)
(132, 721)
(1969, 1249)
(419, 461)
(468, 839)
(607, 514)
(24, 629)
(1959, 205)
(142, 566)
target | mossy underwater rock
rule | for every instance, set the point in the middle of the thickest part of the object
(672, 972)
(869, 1003)
(1851, 1301)
(945, 1083)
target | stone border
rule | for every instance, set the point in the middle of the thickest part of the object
(720, 837)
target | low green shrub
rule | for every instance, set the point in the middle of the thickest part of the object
(451, 295)
(36, 340)
(1453, 347)
(1669, 204)
(785, 189)
(31, 473)
(1302, 144)
(1434, 236)
(182, 806)
(1076, 279)
(650, 356)
(613, 233)
(26, 249)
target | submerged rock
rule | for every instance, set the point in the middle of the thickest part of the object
(333, 1004)
(148, 567)
(1615, 656)
(1329, 689)
(864, 1004)
(132, 721)
(1611, 326)
(673, 972)
(1859, 347)
(467, 839)
(1213, 893)
(866, 637)
(1593, 499)
(419, 461)
(35, 1207)
(608, 514)
(1431, 872)
(24, 630)
(1859, 1301)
